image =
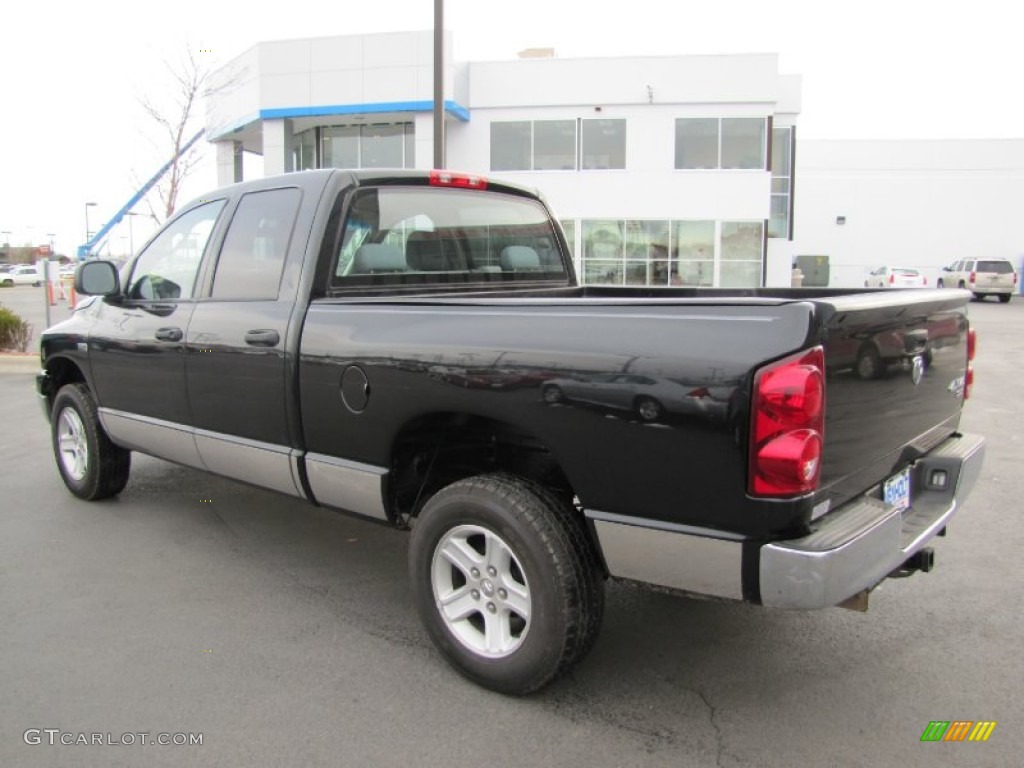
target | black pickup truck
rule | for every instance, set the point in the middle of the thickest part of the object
(413, 347)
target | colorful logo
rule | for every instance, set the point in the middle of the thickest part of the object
(958, 730)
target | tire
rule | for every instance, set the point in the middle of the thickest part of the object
(91, 466)
(869, 363)
(940, 284)
(552, 393)
(648, 409)
(1004, 297)
(528, 620)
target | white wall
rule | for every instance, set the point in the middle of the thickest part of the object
(327, 71)
(908, 203)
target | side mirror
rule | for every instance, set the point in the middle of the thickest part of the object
(97, 278)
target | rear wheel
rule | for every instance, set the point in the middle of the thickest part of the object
(869, 362)
(505, 581)
(552, 393)
(940, 284)
(648, 408)
(91, 466)
(1004, 297)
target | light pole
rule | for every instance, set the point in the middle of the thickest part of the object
(131, 234)
(87, 207)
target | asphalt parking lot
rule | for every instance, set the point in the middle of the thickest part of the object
(284, 634)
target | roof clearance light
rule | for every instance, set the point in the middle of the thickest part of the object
(461, 180)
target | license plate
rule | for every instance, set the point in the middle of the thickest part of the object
(896, 490)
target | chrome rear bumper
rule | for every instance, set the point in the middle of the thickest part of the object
(852, 548)
(861, 543)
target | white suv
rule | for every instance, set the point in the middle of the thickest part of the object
(22, 274)
(982, 277)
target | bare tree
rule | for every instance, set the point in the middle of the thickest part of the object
(178, 121)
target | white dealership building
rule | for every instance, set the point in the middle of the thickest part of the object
(664, 170)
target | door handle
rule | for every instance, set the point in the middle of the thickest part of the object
(169, 334)
(262, 338)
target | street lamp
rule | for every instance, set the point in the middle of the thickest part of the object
(87, 207)
(131, 234)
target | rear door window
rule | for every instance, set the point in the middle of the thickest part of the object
(254, 250)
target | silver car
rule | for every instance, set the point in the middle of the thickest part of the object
(651, 398)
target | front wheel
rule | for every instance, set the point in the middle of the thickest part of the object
(505, 581)
(940, 284)
(91, 466)
(648, 408)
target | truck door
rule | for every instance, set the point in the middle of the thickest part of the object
(137, 346)
(236, 364)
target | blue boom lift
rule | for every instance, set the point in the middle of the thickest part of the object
(88, 249)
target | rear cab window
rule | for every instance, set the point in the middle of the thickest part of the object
(419, 236)
(998, 267)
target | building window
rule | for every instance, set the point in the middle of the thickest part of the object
(602, 252)
(304, 151)
(711, 142)
(551, 145)
(554, 145)
(741, 249)
(782, 182)
(693, 253)
(604, 144)
(383, 145)
(696, 143)
(341, 146)
(512, 146)
(672, 253)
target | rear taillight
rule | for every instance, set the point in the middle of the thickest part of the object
(924, 280)
(971, 277)
(787, 426)
(462, 180)
(892, 279)
(972, 346)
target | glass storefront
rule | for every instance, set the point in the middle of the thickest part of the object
(385, 145)
(671, 253)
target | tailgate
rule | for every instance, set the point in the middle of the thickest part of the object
(895, 372)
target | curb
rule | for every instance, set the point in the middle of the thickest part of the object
(19, 364)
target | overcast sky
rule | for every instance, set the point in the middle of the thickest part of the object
(73, 131)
